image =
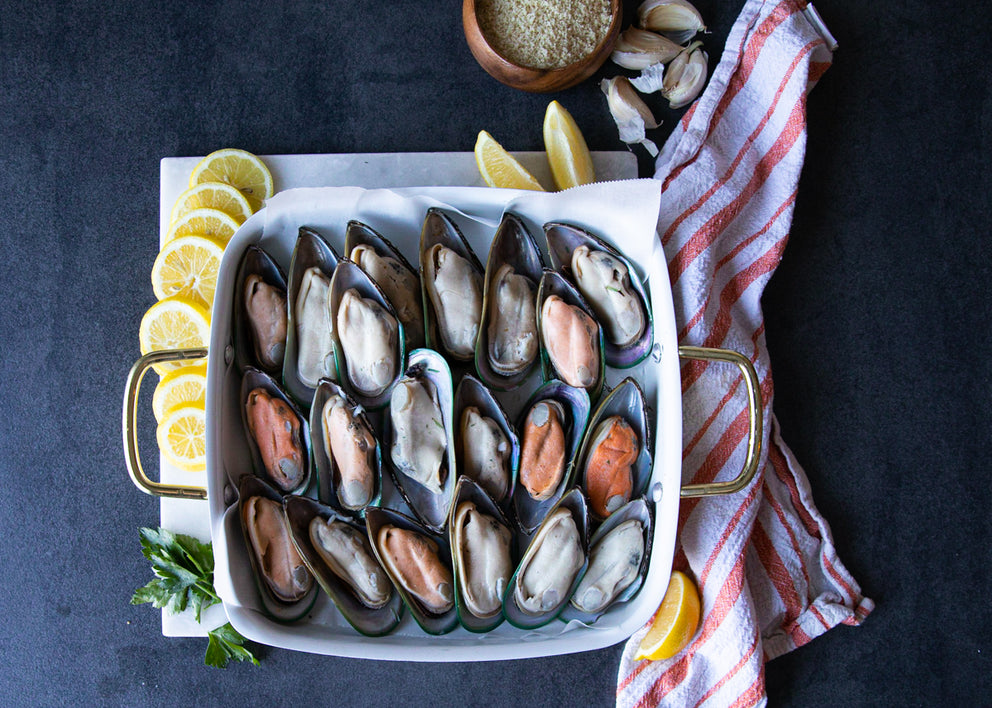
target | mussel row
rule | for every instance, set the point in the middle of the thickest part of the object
(430, 435)
(354, 319)
(476, 576)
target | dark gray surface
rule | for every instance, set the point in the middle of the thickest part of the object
(878, 325)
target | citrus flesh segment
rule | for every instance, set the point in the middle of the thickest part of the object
(238, 168)
(212, 195)
(203, 222)
(500, 169)
(176, 322)
(674, 623)
(183, 387)
(188, 266)
(568, 155)
(182, 438)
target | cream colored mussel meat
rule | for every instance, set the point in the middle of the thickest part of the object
(613, 565)
(513, 341)
(552, 561)
(485, 452)
(419, 439)
(401, 287)
(368, 335)
(605, 283)
(315, 352)
(352, 447)
(455, 290)
(347, 552)
(482, 546)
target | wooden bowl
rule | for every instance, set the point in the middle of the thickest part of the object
(528, 78)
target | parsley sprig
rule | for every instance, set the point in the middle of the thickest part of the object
(184, 577)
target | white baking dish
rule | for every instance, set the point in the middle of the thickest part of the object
(398, 213)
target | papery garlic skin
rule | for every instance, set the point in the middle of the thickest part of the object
(629, 112)
(638, 49)
(678, 20)
(686, 76)
(652, 79)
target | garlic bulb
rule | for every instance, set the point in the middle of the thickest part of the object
(686, 76)
(629, 112)
(639, 49)
(676, 19)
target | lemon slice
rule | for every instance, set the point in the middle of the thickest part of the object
(568, 155)
(203, 222)
(238, 168)
(213, 195)
(183, 387)
(188, 266)
(176, 322)
(499, 168)
(182, 438)
(674, 623)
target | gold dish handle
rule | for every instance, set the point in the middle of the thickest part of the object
(130, 425)
(754, 407)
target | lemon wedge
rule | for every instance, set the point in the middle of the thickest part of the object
(182, 438)
(188, 266)
(183, 387)
(240, 169)
(568, 155)
(203, 222)
(499, 168)
(212, 195)
(674, 623)
(176, 322)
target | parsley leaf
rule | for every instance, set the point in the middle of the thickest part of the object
(184, 577)
(226, 643)
(184, 570)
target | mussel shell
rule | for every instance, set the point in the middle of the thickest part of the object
(627, 401)
(575, 401)
(252, 379)
(472, 392)
(637, 509)
(554, 283)
(328, 476)
(513, 245)
(430, 508)
(575, 502)
(348, 275)
(278, 610)
(375, 519)
(357, 234)
(300, 511)
(468, 490)
(439, 228)
(311, 251)
(562, 239)
(255, 261)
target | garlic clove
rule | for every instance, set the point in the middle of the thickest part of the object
(652, 79)
(686, 76)
(629, 112)
(676, 19)
(639, 49)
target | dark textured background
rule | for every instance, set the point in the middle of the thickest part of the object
(878, 325)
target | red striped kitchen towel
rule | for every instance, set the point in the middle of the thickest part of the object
(763, 558)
